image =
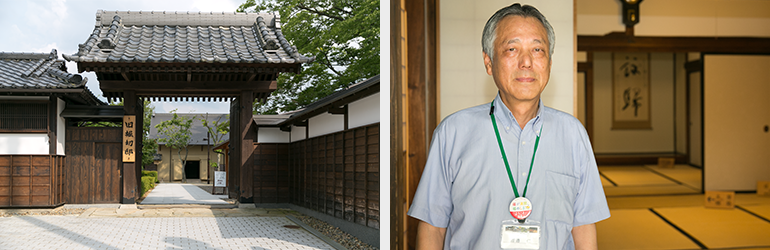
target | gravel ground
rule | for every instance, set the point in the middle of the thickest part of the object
(345, 239)
(29, 212)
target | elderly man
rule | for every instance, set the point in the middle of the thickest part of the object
(511, 174)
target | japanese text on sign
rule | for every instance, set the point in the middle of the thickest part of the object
(128, 138)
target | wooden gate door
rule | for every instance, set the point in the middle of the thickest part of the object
(93, 165)
(106, 172)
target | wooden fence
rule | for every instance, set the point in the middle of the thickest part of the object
(336, 174)
(31, 180)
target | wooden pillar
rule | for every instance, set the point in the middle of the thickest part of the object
(128, 173)
(247, 135)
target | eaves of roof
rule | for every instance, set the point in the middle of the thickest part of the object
(335, 100)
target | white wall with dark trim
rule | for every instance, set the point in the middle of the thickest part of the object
(272, 135)
(325, 124)
(298, 133)
(365, 111)
(24, 144)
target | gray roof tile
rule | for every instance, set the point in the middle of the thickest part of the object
(166, 36)
(36, 71)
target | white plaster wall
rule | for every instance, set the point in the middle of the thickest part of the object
(298, 133)
(365, 111)
(24, 144)
(60, 127)
(272, 135)
(325, 124)
(710, 18)
(463, 80)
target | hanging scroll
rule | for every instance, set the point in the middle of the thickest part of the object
(631, 91)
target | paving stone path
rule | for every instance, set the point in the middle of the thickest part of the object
(172, 228)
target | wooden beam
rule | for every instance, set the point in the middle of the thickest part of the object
(619, 42)
(694, 66)
(186, 86)
(337, 110)
(125, 77)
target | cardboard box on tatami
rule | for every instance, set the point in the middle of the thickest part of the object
(666, 162)
(719, 199)
(763, 188)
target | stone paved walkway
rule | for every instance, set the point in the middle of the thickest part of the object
(177, 228)
(177, 193)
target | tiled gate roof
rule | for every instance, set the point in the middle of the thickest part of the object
(187, 37)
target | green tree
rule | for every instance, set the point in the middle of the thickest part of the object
(217, 130)
(149, 146)
(344, 37)
(175, 133)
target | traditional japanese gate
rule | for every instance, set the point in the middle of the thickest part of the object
(184, 56)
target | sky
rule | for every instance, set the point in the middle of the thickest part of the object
(41, 25)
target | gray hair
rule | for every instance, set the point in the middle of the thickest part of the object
(489, 35)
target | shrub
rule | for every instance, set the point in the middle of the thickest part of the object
(153, 174)
(148, 182)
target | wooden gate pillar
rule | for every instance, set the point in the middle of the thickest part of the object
(130, 172)
(247, 139)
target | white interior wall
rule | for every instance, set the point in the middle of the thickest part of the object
(24, 144)
(464, 82)
(365, 111)
(60, 127)
(325, 124)
(709, 18)
(658, 139)
(272, 135)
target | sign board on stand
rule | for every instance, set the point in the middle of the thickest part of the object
(219, 181)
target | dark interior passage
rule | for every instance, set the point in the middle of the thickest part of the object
(192, 169)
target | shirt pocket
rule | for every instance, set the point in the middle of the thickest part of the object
(562, 192)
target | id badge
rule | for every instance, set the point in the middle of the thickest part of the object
(515, 235)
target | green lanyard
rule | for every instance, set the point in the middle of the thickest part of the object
(505, 159)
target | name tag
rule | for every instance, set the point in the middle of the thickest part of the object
(515, 235)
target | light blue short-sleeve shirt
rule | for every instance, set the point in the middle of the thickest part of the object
(465, 186)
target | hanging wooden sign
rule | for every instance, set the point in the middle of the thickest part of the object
(129, 138)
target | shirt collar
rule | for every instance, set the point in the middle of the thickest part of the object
(505, 117)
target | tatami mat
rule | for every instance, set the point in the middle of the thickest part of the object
(606, 183)
(634, 176)
(644, 202)
(648, 190)
(639, 229)
(760, 210)
(720, 228)
(685, 174)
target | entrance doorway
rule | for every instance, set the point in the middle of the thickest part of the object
(192, 169)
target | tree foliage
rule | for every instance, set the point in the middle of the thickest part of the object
(149, 146)
(175, 133)
(217, 130)
(344, 37)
